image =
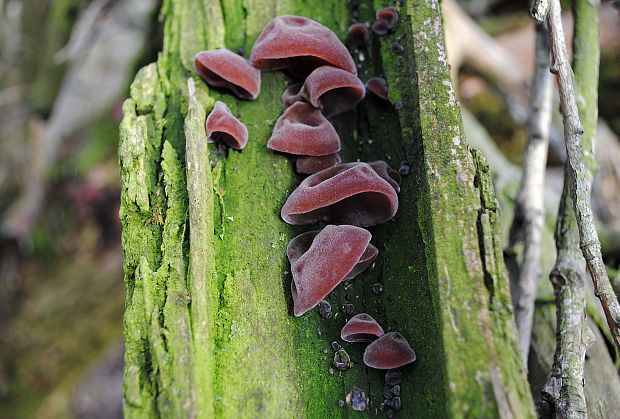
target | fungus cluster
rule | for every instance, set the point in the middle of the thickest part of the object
(347, 197)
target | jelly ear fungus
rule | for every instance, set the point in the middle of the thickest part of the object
(388, 352)
(225, 69)
(361, 328)
(299, 45)
(332, 90)
(350, 193)
(320, 261)
(222, 126)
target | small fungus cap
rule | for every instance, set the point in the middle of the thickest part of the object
(332, 90)
(358, 34)
(378, 87)
(361, 328)
(307, 165)
(320, 261)
(303, 130)
(222, 126)
(389, 16)
(300, 45)
(224, 69)
(389, 351)
(350, 193)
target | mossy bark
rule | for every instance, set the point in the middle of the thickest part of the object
(208, 322)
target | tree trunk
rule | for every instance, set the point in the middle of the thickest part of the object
(208, 322)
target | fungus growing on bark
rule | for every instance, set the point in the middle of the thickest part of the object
(351, 193)
(332, 90)
(303, 130)
(378, 87)
(386, 172)
(225, 69)
(389, 351)
(379, 27)
(361, 328)
(389, 16)
(222, 126)
(300, 45)
(320, 261)
(358, 34)
(292, 94)
(306, 165)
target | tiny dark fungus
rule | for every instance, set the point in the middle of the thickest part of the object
(358, 34)
(319, 262)
(397, 48)
(225, 69)
(361, 328)
(379, 27)
(389, 16)
(303, 130)
(389, 351)
(307, 165)
(332, 90)
(378, 87)
(350, 193)
(300, 45)
(222, 126)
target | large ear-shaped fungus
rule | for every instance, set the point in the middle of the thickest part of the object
(386, 172)
(332, 90)
(331, 255)
(300, 244)
(225, 69)
(389, 351)
(222, 126)
(300, 45)
(378, 87)
(306, 165)
(351, 193)
(303, 130)
(361, 328)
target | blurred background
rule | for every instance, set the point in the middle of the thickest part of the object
(65, 68)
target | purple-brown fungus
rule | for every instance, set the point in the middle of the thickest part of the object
(292, 94)
(389, 16)
(358, 34)
(351, 193)
(303, 130)
(332, 90)
(319, 267)
(222, 126)
(300, 45)
(378, 87)
(389, 351)
(361, 328)
(386, 172)
(306, 165)
(225, 69)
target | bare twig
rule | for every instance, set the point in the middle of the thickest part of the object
(580, 176)
(530, 207)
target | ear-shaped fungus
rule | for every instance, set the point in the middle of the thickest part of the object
(389, 351)
(389, 16)
(358, 34)
(225, 69)
(351, 193)
(307, 165)
(300, 244)
(319, 262)
(303, 130)
(361, 328)
(292, 94)
(386, 172)
(222, 126)
(378, 87)
(300, 45)
(332, 90)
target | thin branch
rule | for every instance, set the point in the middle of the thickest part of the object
(580, 176)
(528, 221)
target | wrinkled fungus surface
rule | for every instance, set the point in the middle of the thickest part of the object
(331, 255)
(361, 328)
(303, 130)
(332, 90)
(225, 69)
(222, 126)
(378, 87)
(389, 351)
(351, 193)
(307, 165)
(300, 45)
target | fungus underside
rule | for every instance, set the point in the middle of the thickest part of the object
(423, 259)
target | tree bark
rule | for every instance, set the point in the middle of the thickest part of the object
(208, 323)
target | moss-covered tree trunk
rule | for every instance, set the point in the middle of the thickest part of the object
(208, 322)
